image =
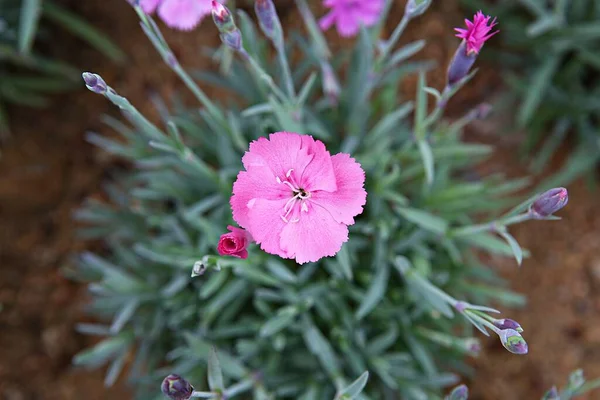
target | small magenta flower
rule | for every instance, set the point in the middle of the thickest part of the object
(295, 199)
(477, 32)
(176, 388)
(549, 202)
(179, 14)
(349, 15)
(473, 38)
(513, 341)
(234, 243)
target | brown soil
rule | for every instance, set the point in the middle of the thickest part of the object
(47, 170)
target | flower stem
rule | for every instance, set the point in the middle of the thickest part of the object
(287, 74)
(262, 74)
(391, 42)
(204, 395)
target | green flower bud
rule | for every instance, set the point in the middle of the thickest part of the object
(513, 341)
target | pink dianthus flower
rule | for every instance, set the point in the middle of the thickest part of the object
(348, 15)
(179, 14)
(477, 32)
(295, 199)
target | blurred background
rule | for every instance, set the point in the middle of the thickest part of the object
(47, 169)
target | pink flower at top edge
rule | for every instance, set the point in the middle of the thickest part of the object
(295, 199)
(477, 32)
(348, 15)
(179, 14)
(234, 243)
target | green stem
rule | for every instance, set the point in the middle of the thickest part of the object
(391, 42)
(287, 74)
(204, 395)
(262, 75)
(483, 321)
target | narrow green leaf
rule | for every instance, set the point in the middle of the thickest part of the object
(355, 388)
(28, 23)
(424, 219)
(428, 161)
(376, 291)
(215, 375)
(514, 245)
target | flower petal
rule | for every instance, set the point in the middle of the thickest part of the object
(318, 174)
(258, 181)
(314, 236)
(149, 6)
(266, 225)
(350, 197)
(183, 14)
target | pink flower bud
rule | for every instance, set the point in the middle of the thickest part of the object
(235, 243)
(507, 323)
(549, 202)
(220, 13)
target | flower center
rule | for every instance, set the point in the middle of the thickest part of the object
(299, 197)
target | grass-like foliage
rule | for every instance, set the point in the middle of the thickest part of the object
(28, 77)
(400, 300)
(550, 54)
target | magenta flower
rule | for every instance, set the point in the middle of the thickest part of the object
(234, 243)
(295, 198)
(348, 15)
(477, 32)
(179, 14)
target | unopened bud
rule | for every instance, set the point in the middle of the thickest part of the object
(269, 21)
(576, 380)
(513, 341)
(459, 393)
(94, 82)
(221, 15)
(461, 64)
(507, 323)
(229, 32)
(549, 202)
(551, 394)
(414, 8)
(176, 388)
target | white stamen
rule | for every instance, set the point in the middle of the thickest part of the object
(304, 207)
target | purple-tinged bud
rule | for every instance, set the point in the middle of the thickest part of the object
(549, 202)
(461, 64)
(414, 8)
(459, 393)
(331, 87)
(551, 394)
(507, 323)
(229, 32)
(176, 388)
(94, 82)
(513, 341)
(269, 21)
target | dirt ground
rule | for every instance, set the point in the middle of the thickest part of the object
(48, 169)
